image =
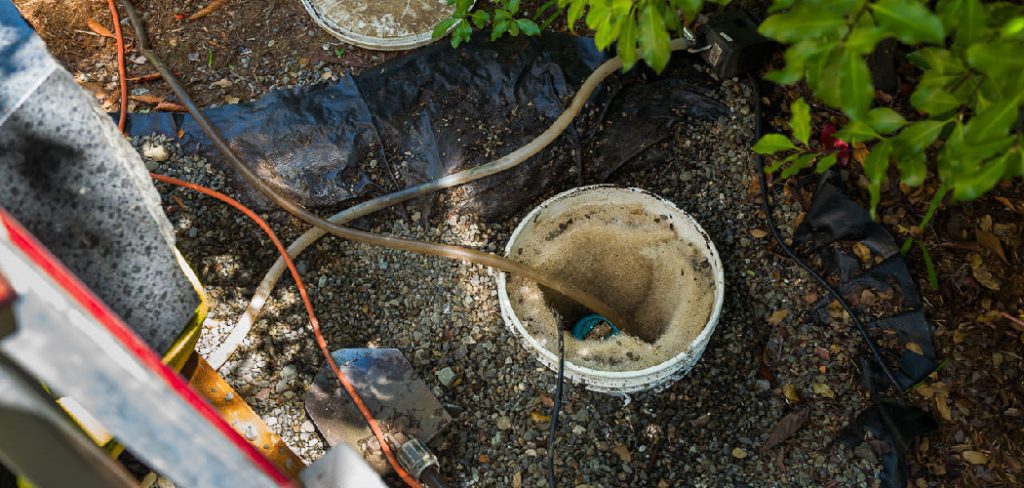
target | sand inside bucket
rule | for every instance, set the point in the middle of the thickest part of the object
(636, 263)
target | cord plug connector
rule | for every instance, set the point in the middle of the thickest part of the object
(733, 45)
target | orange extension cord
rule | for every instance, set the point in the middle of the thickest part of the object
(320, 341)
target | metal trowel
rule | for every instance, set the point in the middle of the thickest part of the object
(389, 386)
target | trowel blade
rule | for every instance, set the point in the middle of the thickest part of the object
(391, 390)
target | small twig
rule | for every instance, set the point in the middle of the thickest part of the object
(207, 10)
(963, 246)
(144, 78)
(1013, 319)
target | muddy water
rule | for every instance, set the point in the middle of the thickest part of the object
(632, 260)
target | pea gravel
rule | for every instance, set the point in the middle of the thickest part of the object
(706, 430)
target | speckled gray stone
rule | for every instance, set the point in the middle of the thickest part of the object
(71, 178)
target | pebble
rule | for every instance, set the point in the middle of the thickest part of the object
(156, 152)
(445, 318)
(446, 376)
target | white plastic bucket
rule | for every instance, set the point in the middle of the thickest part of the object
(656, 377)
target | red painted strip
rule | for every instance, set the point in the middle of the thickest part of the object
(49, 264)
(6, 292)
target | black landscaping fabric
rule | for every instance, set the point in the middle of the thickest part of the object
(440, 110)
(832, 220)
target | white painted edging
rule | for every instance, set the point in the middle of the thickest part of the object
(655, 377)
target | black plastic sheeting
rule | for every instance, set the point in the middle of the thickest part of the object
(833, 220)
(439, 110)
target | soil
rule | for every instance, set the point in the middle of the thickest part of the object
(632, 260)
(244, 49)
(237, 53)
(977, 305)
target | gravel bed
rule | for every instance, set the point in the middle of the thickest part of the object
(706, 430)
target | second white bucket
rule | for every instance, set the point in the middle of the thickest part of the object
(686, 229)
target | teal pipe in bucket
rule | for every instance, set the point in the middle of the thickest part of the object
(586, 325)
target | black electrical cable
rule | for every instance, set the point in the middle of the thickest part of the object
(554, 410)
(774, 230)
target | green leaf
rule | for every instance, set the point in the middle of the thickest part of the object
(481, 18)
(461, 33)
(576, 8)
(1012, 28)
(969, 187)
(778, 5)
(800, 163)
(528, 27)
(885, 120)
(910, 21)
(913, 169)
(1014, 165)
(929, 266)
(773, 143)
(933, 205)
(690, 8)
(949, 13)
(936, 59)
(995, 121)
(827, 162)
(917, 136)
(863, 39)
(513, 28)
(461, 8)
(971, 26)
(797, 57)
(512, 7)
(781, 162)
(605, 23)
(996, 58)
(626, 48)
(856, 131)
(442, 28)
(802, 23)
(855, 90)
(933, 96)
(800, 120)
(875, 166)
(653, 38)
(499, 28)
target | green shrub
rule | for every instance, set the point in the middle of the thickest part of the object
(631, 24)
(967, 101)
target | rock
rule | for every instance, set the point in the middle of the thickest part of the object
(155, 152)
(503, 423)
(307, 426)
(623, 453)
(446, 376)
(823, 390)
(739, 453)
(289, 372)
(865, 452)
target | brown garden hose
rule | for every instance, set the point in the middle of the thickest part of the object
(434, 249)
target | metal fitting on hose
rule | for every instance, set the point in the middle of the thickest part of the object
(415, 457)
